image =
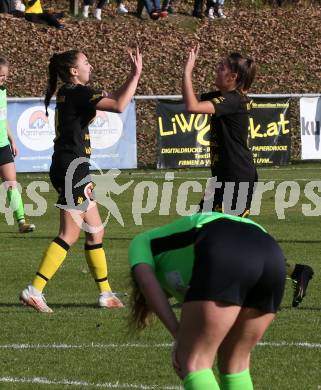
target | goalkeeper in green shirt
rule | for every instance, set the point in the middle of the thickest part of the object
(8, 151)
(229, 273)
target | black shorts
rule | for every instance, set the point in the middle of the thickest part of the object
(77, 191)
(237, 263)
(6, 156)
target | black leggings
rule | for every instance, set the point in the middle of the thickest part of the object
(44, 18)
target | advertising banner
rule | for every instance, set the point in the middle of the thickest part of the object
(270, 131)
(183, 139)
(310, 118)
(113, 137)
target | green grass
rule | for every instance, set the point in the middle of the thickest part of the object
(102, 356)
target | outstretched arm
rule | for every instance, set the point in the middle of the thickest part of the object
(155, 296)
(118, 100)
(193, 105)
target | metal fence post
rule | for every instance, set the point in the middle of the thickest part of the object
(74, 7)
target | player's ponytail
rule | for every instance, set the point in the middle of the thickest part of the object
(52, 80)
(140, 314)
(59, 67)
(250, 73)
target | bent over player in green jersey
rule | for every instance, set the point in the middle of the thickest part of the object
(229, 273)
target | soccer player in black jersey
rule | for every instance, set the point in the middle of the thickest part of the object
(232, 161)
(76, 108)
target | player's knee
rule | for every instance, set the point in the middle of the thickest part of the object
(10, 184)
(95, 238)
(189, 362)
(69, 239)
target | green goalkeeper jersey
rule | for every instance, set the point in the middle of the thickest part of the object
(169, 250)
(4, 141)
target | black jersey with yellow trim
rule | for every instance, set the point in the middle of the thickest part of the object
(75, 109)
(231, 158)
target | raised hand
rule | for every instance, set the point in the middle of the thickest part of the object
(191, 59)
(136, 60)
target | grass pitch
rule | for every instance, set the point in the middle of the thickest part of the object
(80, 346)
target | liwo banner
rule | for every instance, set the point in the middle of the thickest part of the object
(183, 139)
(113, 137)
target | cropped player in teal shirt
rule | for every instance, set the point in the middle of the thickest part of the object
(229, 273)
(8, 151)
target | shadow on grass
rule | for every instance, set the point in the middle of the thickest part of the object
(304, 308)
(300, 241)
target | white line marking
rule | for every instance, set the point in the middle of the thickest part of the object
(67, 382)
(83, 346)
(189, 178)
(190, 170)
(303, 344)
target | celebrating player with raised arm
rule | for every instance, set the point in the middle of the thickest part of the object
(76, 107)
(231, 159)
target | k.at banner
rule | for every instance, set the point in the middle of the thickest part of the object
(183, 139)
(270, 131)
(113, 137)
(310, 117)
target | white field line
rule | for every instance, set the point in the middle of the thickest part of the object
(190, 178)
(190, 170)
(67, 382)
(83, 346)
(302, 344)
(117, 385)
(151, 173)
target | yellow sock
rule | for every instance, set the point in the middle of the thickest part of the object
(97, 263)
(289, 268)
(51, 261)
